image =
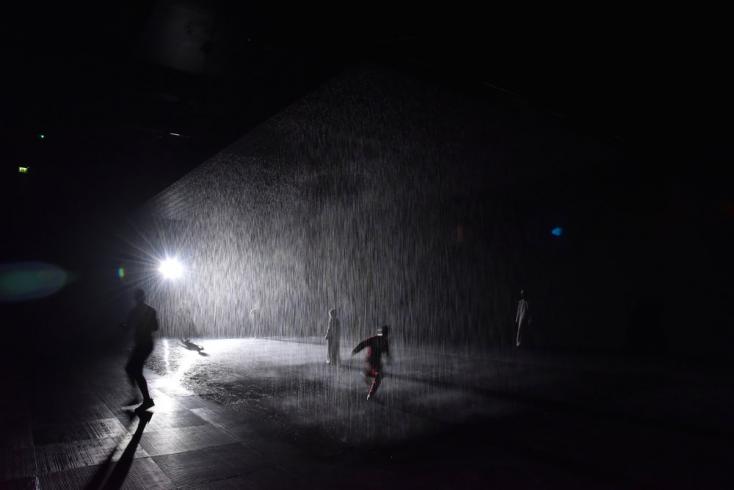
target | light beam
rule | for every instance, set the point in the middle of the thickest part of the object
(171, 268)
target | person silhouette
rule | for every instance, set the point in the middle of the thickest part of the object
(255, 321)
(522, 316)
(376, 346)
(333, 337)
(143, 320)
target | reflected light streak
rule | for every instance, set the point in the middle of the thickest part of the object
(183, 360)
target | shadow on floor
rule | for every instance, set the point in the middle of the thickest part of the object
(112, 475)
(188, 345)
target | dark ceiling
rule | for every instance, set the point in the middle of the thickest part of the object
(132, 95)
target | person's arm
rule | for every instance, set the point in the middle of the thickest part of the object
(359, 347)
(328, 332)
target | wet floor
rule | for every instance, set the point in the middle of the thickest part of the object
(270, 413)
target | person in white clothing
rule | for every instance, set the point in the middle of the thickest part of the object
(333, 337)
(522, 316)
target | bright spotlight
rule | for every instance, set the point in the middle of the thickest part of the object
(171, 269)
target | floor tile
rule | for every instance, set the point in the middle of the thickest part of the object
(93, 429)
(174, 419)
(234, 483)
(143, 474)
(180, 439)
(273, 479)
(212, 464)
(59, 457)
(71, 412)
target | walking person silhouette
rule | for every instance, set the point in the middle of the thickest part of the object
(144, 321)
(522, 316)
(333, 337)
(377, 346)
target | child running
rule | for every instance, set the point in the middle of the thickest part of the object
(376, 347)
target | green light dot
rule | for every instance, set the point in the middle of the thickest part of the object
(23, 170)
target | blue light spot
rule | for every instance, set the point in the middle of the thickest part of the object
(557, 231)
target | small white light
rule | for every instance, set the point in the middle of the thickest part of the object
(171, 268)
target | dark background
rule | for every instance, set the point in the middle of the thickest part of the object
(108, 85)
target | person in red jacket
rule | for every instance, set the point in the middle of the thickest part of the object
(376, 346)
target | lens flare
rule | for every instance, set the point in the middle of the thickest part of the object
(30, 280)
(171, 268)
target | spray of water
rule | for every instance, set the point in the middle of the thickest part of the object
(385, 197)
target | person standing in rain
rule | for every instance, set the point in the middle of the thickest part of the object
(255, 321)
(144, 321)
(522, 316)
(377, 346)
(333, 338)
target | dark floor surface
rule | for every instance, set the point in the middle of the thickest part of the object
(257, 421)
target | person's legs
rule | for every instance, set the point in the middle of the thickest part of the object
(131, 368)
(143, 385)
(134, 370)
(517, 339)
(333, 352)
(375, 383)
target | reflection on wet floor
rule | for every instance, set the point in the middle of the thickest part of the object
(177, 363)
(272, 412)
(289, 378)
